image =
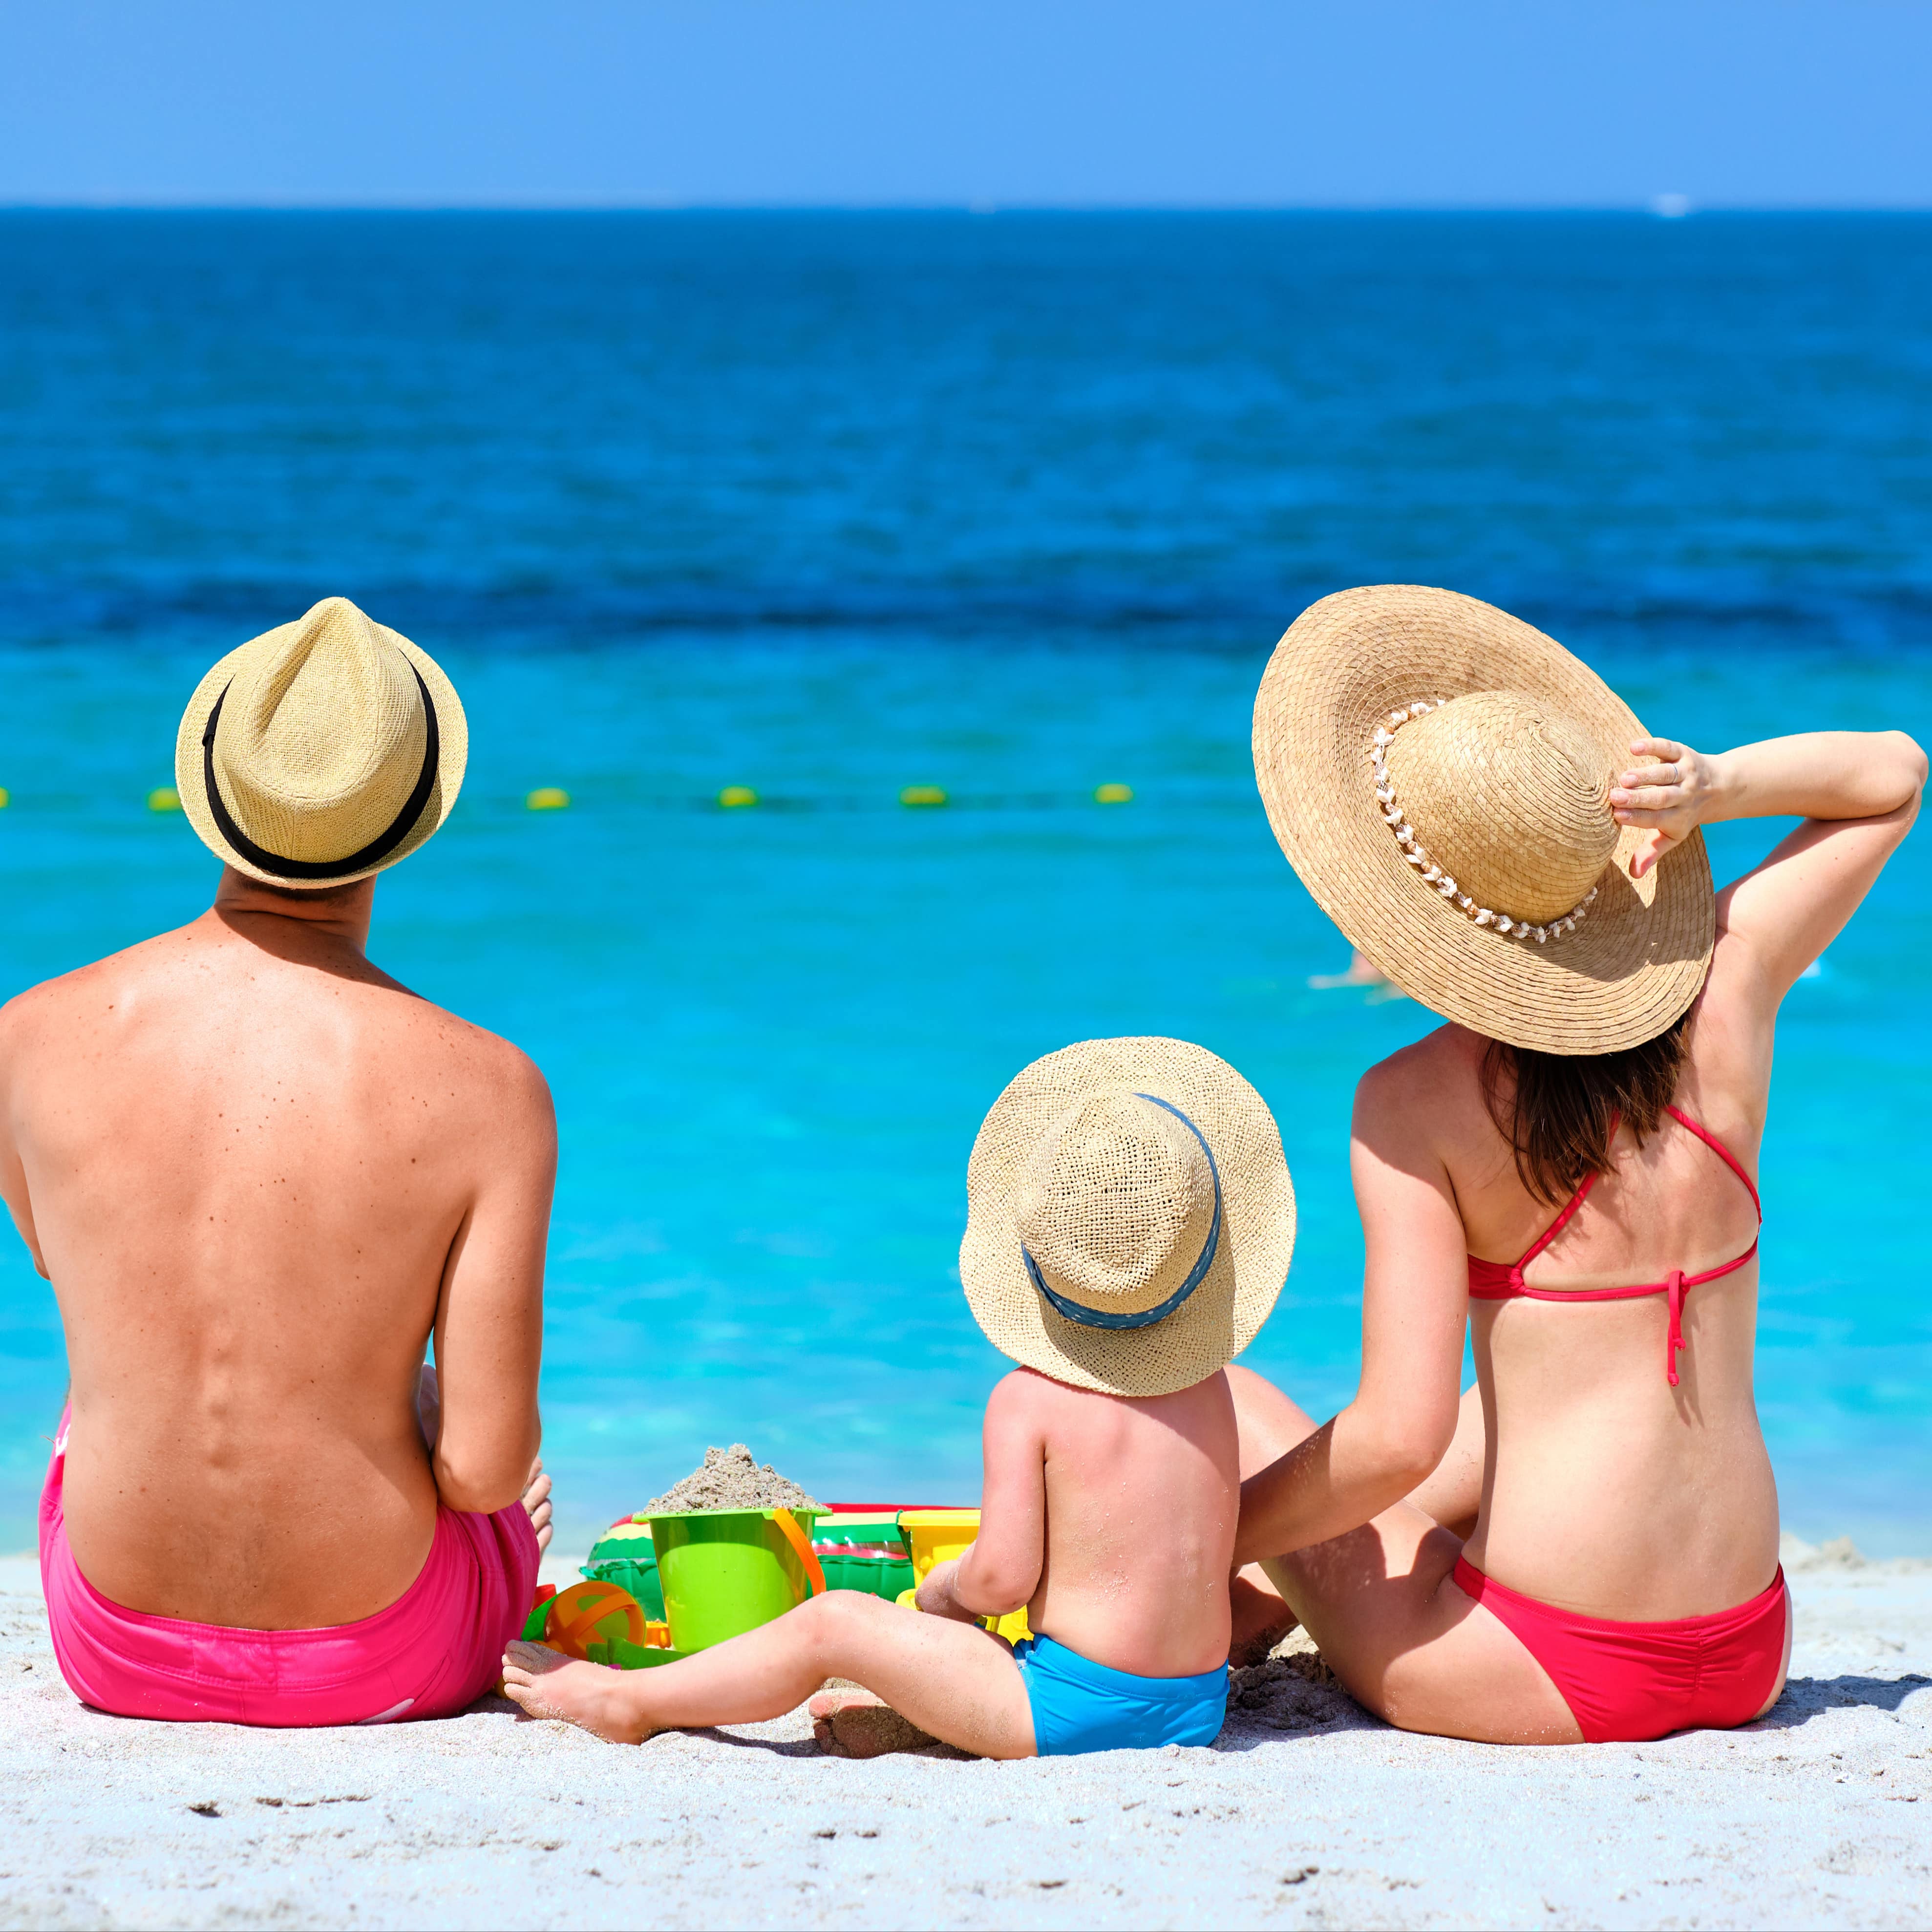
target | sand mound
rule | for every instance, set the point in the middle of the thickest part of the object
(730, 1479)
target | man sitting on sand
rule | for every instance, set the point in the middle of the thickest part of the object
(259, 1173)
(1129, 1225)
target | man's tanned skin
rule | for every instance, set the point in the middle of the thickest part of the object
(259, 1174)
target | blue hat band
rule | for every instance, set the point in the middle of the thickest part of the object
(1144, 1317)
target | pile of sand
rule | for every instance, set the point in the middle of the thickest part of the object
(730, 1479)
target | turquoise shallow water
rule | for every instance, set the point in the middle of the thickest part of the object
(831, 505)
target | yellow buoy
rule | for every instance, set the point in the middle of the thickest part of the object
(164, 798)
(733, 797)
(548, 798)
(1113, 794)
(6, 798)
(922, 795)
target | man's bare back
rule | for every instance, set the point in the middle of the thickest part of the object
(258, 1173)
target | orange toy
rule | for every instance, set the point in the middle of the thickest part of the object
(582, 1614)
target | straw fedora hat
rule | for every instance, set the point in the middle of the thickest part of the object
(1438, 773)
(1130, 1216)
(321, 751)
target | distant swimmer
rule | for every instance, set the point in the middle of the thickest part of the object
(1362, 972)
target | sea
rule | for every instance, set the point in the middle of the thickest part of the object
(1011, 504)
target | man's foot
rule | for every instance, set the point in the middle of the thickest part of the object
(1261, 1620)
(536, 1503)
(546, 1684)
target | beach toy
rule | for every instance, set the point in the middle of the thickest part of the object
(922, 795)
(734, 798)
(861, 1549)
(594, 1612)
(164, 798)
(533, 1624)
(1113, 794)
(548, 798)
(625, 1555)
(937, 1536)
(621, 1654)
(724, 1572)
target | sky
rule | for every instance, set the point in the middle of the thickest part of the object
(1080, 103)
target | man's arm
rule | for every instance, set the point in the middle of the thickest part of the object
(489, 1322)
(1002, 1569)
(13, 1175)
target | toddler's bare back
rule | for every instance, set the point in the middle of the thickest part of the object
(1141, 1496)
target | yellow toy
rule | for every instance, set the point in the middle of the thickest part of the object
(582, 1614)
(939, 1535)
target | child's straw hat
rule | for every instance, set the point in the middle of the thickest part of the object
(1130, 1216)
(321, 751)
(1438, 773)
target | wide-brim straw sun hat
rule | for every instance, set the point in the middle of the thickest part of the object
(1438, 774)
(321, 751)
(1130, 1216)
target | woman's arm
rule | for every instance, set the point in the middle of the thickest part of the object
(1414, 1305)
(1858, 791)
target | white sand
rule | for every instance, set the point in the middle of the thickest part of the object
(1306, 1813)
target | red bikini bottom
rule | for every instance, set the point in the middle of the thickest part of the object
(1627, 1683)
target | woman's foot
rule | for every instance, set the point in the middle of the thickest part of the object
(1260, 1621)
(536, 1503)
(546, 1684)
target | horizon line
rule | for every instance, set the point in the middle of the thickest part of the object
(1666, 205)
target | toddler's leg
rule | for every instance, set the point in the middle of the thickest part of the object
(950, 1679)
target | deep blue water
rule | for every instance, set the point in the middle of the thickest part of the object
(830, 505)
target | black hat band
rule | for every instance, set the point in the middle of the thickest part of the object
(378, 849)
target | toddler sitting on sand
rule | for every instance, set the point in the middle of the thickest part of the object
(1130, 1222)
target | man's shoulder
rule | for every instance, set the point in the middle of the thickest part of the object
(486, 1058)
(99, 985)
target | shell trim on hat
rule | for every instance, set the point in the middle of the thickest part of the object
(378, 849)
(1144, 1317)
(1342, 668)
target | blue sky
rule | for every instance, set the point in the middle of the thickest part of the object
(1409, 103)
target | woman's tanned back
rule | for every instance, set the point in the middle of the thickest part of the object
(1609, 1489)
(246, 1156)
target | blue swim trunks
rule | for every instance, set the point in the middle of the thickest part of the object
(1079, 1706)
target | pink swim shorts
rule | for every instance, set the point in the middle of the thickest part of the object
(437, 1648)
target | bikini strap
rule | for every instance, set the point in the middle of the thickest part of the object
(1556, 1227)
(1722, 1152)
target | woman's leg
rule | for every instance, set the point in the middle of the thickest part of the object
(952, 1679)
(1260, 1619)
(1382, 1604)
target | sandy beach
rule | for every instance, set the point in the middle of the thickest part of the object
(1305, 1812)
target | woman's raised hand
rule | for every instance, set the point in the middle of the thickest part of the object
(1665, 790)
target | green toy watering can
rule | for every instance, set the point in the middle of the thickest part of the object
(724, 1572)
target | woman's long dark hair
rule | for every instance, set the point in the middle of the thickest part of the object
(1559, 1111)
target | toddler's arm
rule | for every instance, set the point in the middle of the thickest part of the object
(1002, 1569)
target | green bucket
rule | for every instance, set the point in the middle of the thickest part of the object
(724, 1572)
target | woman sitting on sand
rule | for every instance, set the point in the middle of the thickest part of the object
(1586, 1547)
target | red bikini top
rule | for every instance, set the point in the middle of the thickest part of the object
(1499, 1281)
